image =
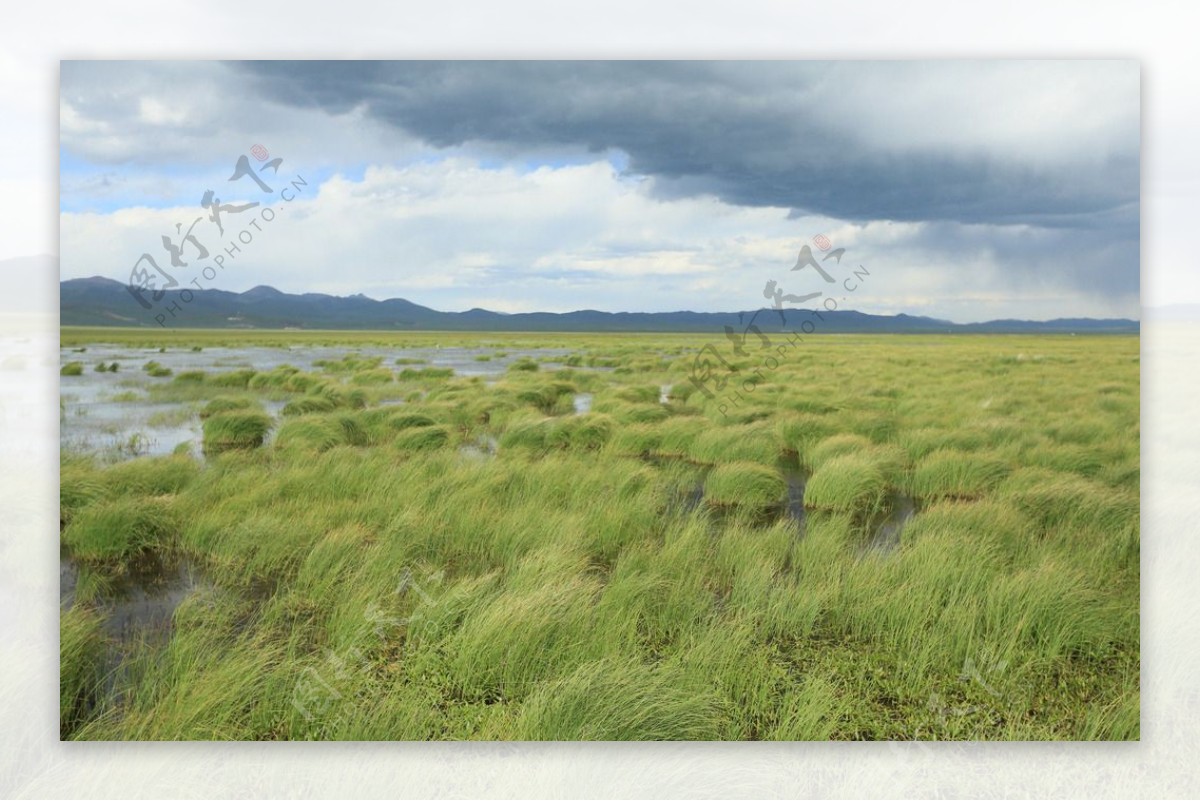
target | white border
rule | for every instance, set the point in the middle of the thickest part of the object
(34, 764)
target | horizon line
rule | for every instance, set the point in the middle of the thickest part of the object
(673, 311)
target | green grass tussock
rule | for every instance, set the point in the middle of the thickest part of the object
(950, 474)
(848, 483)
(373, 377)
(153, 476)
(423, 438)
(308, 433)
(755, 442)
(227, 403)
(117, 529)
(235, 430)
(744, 484)
(80, 483)
(403, 420)
(308, 405)
(234, 379)
(425, 374)
(834, 447)
(621, 700)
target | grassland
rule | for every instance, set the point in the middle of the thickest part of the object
(403, 553)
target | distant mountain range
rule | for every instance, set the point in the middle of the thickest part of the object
(102, 301)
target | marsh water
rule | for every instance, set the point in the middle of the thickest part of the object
(113, 414)
(141, 600)
(887, 524)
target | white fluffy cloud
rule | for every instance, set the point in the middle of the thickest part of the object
(971, 190)
(455, 234)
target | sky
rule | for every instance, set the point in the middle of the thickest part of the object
(967, 190)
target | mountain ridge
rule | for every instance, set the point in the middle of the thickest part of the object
(98, 301)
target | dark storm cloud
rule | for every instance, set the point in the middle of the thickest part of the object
(1098, 261)
(1019, 178)
(758, 134)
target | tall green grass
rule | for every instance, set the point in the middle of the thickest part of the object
(235, 430)
(621, 700)
(628, 573)
(82, 651)
(744, 484)
(950, 474)
(115, 530)
(848, 483)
